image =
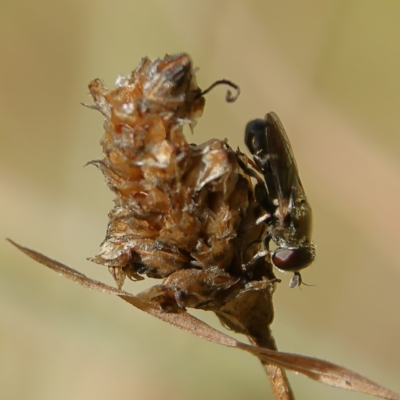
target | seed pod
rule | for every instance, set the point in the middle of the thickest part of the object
(177, 205)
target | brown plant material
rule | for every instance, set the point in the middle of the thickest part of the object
(187, 214)
(177, 205)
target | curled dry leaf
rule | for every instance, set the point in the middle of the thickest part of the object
(187, 214)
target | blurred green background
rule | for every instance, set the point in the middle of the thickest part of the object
(331, 71)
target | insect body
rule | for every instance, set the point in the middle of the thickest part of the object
(288, 213)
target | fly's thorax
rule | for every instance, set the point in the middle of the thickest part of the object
(291, 231)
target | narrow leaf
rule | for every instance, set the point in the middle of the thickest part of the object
(319, 370)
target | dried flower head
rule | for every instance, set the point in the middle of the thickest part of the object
(178, 206)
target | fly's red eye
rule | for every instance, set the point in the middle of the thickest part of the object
(292, 259)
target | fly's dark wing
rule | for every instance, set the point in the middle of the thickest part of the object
(282, 161)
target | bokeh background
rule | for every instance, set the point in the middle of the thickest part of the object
(331, 71)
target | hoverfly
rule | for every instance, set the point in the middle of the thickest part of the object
(288, 213)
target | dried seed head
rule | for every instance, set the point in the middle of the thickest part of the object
(176, 204)
(183, 212)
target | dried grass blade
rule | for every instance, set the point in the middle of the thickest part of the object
(319, 370)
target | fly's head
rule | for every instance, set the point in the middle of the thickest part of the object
(293, 257)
